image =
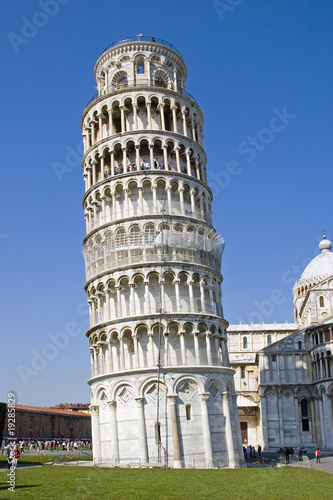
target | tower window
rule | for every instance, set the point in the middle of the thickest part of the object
(158, 432)
(305, 415)
(269, 339)
(150, 234)
(244, 342)
(188, 412)
(299, 344)
(321, 301)
(140, 65)
(243, 372)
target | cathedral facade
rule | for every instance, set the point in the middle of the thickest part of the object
(284, 372)
(162, 389)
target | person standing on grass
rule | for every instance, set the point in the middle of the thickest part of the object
(16, 454)
(318, 455)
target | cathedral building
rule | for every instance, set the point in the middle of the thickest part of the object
(162, 390)
(284, 372)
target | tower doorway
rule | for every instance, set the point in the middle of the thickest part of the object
(243, 426)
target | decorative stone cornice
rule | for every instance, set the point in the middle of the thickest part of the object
(131, 47)
(94, 409)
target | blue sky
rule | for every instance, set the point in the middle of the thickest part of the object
(248, 62)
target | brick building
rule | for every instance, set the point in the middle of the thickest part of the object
(42, 422)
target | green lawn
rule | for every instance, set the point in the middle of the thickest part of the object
(80, 483)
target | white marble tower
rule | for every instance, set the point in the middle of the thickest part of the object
(161, 386)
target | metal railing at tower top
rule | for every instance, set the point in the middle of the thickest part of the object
(142, 38)
(142, 83)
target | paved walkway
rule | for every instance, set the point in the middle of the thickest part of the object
(325, 465)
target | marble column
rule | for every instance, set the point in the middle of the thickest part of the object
(184, 122)
(165, 157)
(136, 351)
(96, 436)
(147, 309)
(132, 309)
(135, 118)
(112, 163)
(192, 194)
(264, 420)
(237, 428)
(177, 158)
(168, 190)
(101, 357)
(122, 117)
(96, 371)
(190, 289)
(206, 427)
(151, 155)
(149, 115)
(175, 431)
(122, 357)
(193, 127)
(196, 346)
(280, 414)
(89, 176)
(108, 304)
(314, 420)
(93, 138)
(110, 356)
(208, 346)
(94, 171)
(202, 297)
(188, 162)
(181, 200)
(151, 353)
(92, 361)
(228, 429)
(110, 121)
(137, 157)
(100, 126)
(140, 196)
(322, 421)
(154, 199)
(142, 432)
(197, 167)
(114, 455)
(176, 282)
(162, 116)
(174, 119)
(182, 346)
(297, 420)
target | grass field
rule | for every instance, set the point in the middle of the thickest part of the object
(40, 459)
(80, 483)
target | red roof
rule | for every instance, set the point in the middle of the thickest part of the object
(45, 409)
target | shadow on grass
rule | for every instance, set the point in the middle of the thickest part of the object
(22, 486)
(22, 464)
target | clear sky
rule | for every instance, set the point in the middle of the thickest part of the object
(262, 74)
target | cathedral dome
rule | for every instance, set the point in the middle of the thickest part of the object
(322, 265)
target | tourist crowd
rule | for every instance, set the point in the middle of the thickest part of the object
(250, 452)
(40, 445)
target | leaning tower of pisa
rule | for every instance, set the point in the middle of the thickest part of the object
(161, 385)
